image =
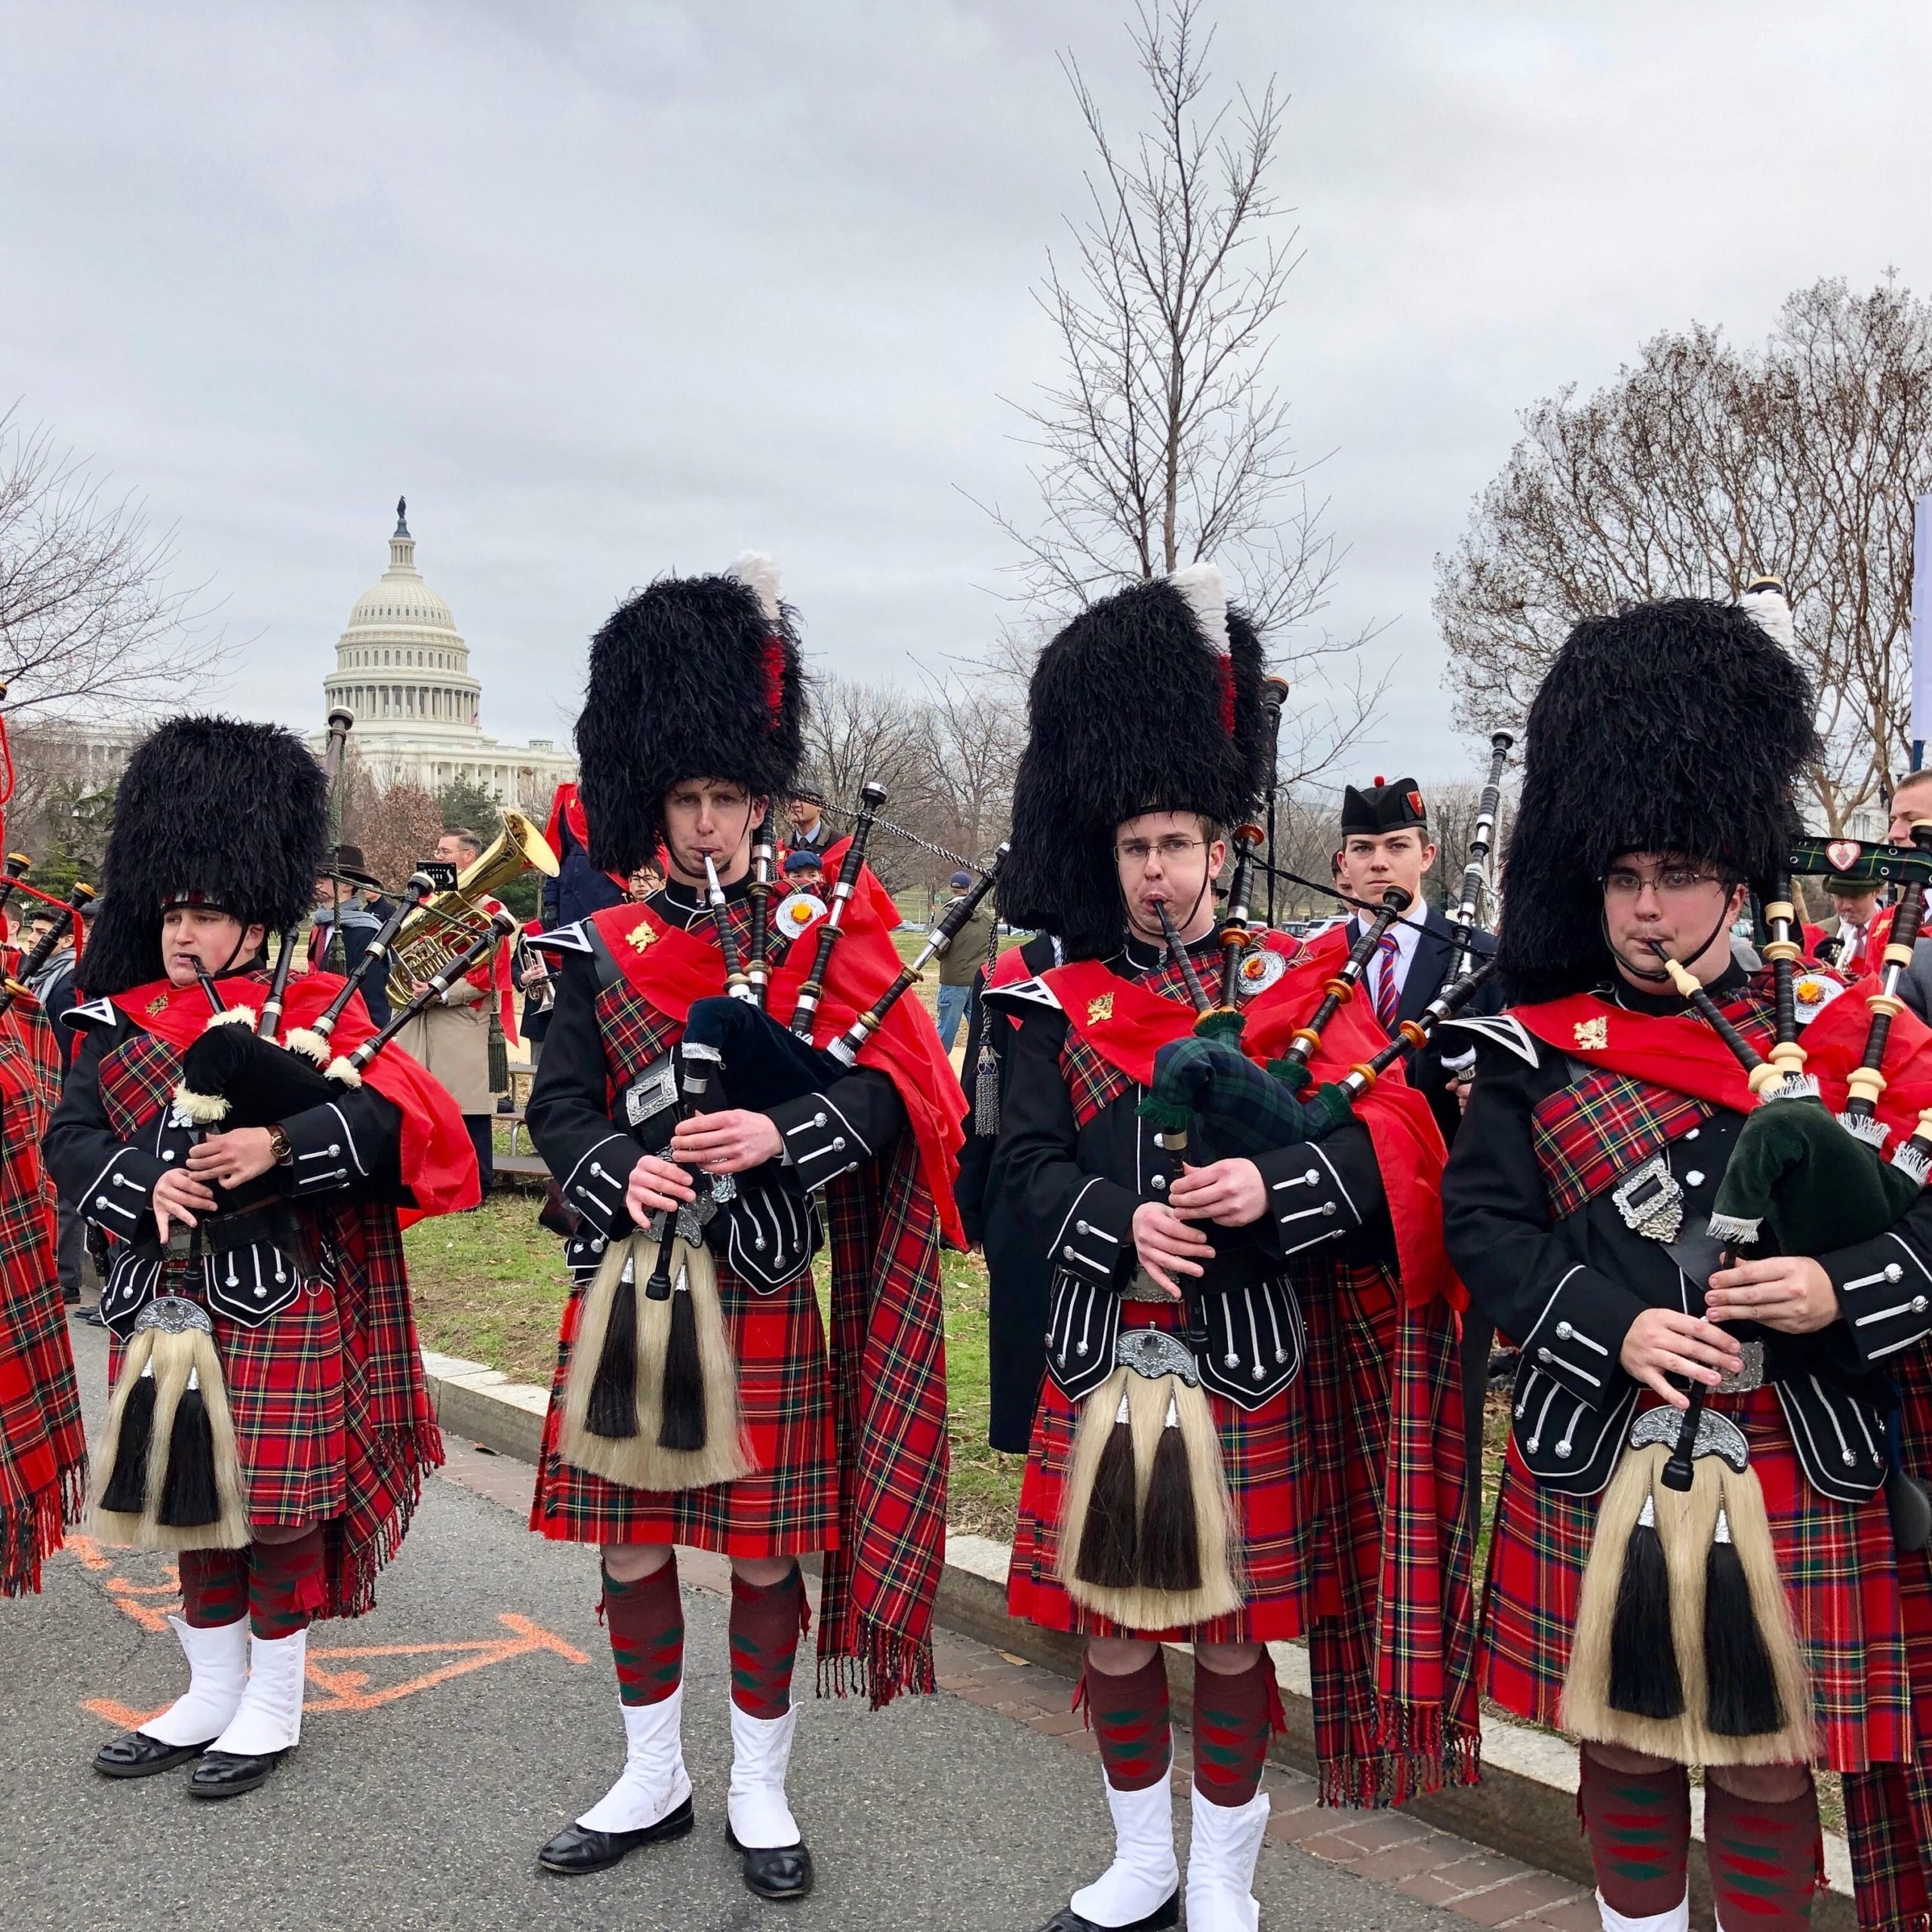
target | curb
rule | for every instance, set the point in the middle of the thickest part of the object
(1525, 1806)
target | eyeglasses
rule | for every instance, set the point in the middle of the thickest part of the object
(1669, 881)
(1169, 851)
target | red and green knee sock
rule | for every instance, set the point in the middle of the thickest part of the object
(1235, 1714)
(1764, 1859)
(765, 1625)
(285, 1587)
(1129, 1716)
(646, 1621)
(214, 1587)
(1638, 1824)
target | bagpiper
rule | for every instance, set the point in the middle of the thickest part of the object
(1214, 1456)
(43, 1448)
(269, 1423)
(1721, 1294)
(699, 1399)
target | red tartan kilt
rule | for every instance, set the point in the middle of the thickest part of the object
(1837, 1559)
(789, 1506)
(1266, 1454)
(285, 1391)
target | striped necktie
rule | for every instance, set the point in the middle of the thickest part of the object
(1388, 994)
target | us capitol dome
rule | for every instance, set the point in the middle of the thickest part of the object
(403, 670)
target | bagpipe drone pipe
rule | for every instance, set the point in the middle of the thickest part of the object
(1685, 1643)
(651, 1399)
(168, 1472)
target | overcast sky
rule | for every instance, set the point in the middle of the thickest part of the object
(612, 288)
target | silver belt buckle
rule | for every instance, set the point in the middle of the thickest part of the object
(1143, 1287)
(1750, 1377)
(1650, 1201)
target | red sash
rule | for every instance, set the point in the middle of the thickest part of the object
(1678, 1051)
(439, 1162)
(671, 967)
(1128, 1030)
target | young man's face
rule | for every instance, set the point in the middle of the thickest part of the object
(1679, 902)
(1165, 858)
(1912, 800)
(710, 818)
(1856, 908)
(192, 935)
(1374, 861)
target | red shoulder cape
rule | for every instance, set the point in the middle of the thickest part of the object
(672, 967)
(1408, 1144)
(1677, 1050)
(438, 1163)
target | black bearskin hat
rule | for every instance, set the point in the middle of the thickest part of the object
(697, 677)
(1149, 700)
(1676, 726)
(211, 811)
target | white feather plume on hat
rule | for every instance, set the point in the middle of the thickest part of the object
(755, 568)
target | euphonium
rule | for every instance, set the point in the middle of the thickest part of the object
(445, 924)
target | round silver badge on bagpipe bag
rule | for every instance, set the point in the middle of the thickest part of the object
(1261, 966)
(797, 913)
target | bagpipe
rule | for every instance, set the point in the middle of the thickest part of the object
(1685, 1643)
(651, 1397)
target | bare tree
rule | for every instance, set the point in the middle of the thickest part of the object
(1161, 440)
(88, 618)
(398, 828)
(857, 732)
(1700, 465)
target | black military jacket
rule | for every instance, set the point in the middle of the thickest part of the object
(591, 1112)
(1567, 1288)
(352, 1145)
(1075, 1188)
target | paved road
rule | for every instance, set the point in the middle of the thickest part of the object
(415, 1803)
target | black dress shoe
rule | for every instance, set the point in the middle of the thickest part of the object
(774, 1872)
(229, 1773)
(1160, 1919)
(576, 1848)
(135, 1755)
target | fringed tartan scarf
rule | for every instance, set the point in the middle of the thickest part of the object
(887, 1338)
(43, 1451)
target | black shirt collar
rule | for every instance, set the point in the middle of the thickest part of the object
(1144, 956)
(680, 905)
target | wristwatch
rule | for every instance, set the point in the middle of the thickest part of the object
(279, 1146)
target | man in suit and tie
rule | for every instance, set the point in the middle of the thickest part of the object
(1386, 841)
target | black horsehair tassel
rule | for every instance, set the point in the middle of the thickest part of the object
(1108, 1544)
(1170, 1533)
(127, 1491)
(683, 1426)
(1643, 1677)
(189, 1498)
(611, 1411)
(1744, 1688)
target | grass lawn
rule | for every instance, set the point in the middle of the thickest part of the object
(490, 1287)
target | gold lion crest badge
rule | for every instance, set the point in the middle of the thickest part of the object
(1100, 1007)
(641, 935)
(1592, 1036)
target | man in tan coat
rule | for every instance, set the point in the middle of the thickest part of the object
(452, 1039)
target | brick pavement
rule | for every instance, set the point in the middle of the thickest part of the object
(1388, 1848)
